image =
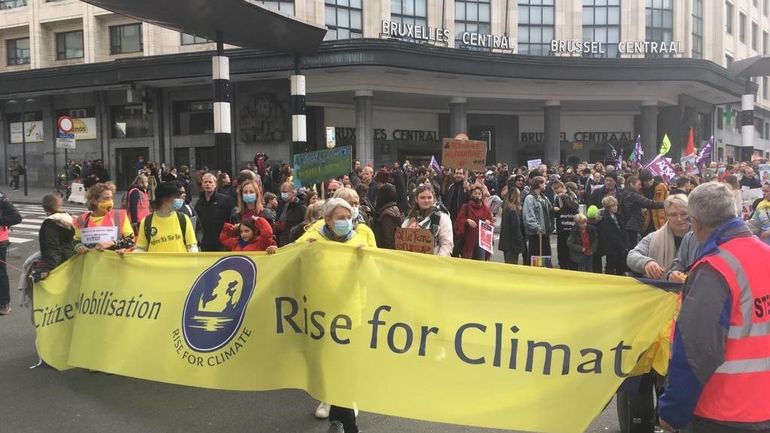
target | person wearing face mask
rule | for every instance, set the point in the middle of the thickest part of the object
(337, 226)
(467, 224)
(102, 227)
(167, 230)
(289, 213)
(137, 201)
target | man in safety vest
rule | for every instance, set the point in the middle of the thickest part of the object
(8, 216)
(719, 374)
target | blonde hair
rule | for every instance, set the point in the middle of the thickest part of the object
(347, 194)
(609, 201)
(580, 218)
(259, 205)
(93, 193)
(678, 200)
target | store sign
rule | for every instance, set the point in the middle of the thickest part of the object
(33, 132)
(85, 128)
(537, 137)
(417, 33)
(604, 137)
(380, 134)
(624, 47)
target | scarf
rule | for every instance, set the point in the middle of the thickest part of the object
(663, 247)
(329, 234)
(62, 219)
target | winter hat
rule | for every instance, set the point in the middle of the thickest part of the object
(592, 212)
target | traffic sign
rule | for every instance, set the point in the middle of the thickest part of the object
(65, 124)
(65, 140)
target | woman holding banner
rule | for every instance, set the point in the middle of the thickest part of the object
(426, 214)
(102, 227)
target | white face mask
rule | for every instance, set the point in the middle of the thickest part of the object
(354, 214)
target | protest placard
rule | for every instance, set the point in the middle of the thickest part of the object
(415, 240)
(660, 166)
(314, 167)
(469, 154)
(486, 236)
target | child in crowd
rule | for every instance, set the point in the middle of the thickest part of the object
(252, 234)
(613, 237)
(583, 243)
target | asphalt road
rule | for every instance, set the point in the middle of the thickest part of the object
(77, 401)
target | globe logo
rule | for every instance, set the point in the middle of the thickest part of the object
(216, 304)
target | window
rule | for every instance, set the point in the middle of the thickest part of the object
(536, 26)
(472, 16)
(601, 23)
(729, 17)
(69, 45)
(764, 43)
(343, 19)
(187, 39)
(126, 39)
(728, 61)
(754, 36)
(284, 6)
(720, 118)
(131, 121)
(193, 117)
(17, 51)
(767, 129)
(766, 82)
(765, 7)
(697, 29)
(12, 4)
(409, 12)
(742, 27)
(659, 27)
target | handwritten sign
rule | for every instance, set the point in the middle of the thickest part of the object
(318, 166)
(94, 235)
(661, 167)
(689, 165)
(470, 154)
(414, 240)
(533, 164)
(486, 236)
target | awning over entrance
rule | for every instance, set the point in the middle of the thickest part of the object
(239, 22)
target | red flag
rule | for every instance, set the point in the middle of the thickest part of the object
(690, 149)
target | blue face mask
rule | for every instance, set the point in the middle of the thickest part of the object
(343, 227)
(249, 198)
(178, 203)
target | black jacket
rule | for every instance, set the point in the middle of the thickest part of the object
(511, 236)
(56, 245)
(565, 216)
(455, 198)
(295, 215)
(212, 215)
(596, 197)
(386, 220)
(612, 237)
(632, 203)
(9, 216)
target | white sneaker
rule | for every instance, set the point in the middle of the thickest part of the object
(322, 411)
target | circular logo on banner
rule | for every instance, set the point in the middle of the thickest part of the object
(65, 124)
(216, 303)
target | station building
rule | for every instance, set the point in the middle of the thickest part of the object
(558, 80)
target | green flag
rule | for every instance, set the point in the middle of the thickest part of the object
(666, 145)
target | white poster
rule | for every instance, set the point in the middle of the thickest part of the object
(33, 132)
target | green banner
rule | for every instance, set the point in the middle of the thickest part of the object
(315, 167)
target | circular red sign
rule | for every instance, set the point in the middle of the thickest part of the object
(65, 124)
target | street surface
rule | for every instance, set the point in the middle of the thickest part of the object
(43, 400)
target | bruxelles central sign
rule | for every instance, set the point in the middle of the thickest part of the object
(442, 36)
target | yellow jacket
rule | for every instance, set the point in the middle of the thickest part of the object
(364, 235)
(656, 216)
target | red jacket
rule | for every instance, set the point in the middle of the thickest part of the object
(263, 237)
(470, 236)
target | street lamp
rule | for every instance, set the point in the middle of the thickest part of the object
(23, 138)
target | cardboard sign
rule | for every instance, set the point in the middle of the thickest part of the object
(94, 235)
(414, 240)
(469, 154)
(661, 167)
(318, 166)
(534, 163)
(689, 166)
(764, 173)
(486, 236)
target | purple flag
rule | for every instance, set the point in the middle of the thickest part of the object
(638, 153)
(705, 153)
(661, 167)
(434, 165)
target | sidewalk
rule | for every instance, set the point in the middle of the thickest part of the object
(35, 195)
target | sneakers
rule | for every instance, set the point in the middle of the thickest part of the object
(5, 309)
(322, 411)
(335, 427)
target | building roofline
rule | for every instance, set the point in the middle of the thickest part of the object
(371, 52)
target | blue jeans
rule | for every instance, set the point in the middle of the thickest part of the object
(586, 264)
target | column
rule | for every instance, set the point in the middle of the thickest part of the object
(298, 113)
(365, 126)
(552, 133)
(222, 97)
(458, 116)
(747, 117)
(649, 132)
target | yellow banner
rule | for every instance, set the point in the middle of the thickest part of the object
(397, 333)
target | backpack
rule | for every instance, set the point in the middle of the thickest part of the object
(148, 227)
(126, 198)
